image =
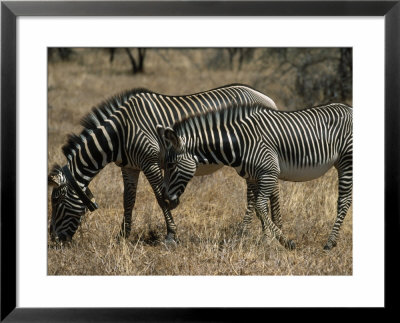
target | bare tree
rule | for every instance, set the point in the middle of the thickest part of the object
(242, 54)
(137, 63)
(64, 53)
(321, 75)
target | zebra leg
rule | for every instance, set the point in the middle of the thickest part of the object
(345, 173)
(275, 207)
(251, 204)
(130, 177)
(155, 178)
(267, 185)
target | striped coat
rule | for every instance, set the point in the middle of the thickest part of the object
(123, 130)
(264, 145)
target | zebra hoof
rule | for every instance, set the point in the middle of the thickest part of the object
(329, 245)
(170, 243)
(243, 232)
(291, 245)
(121, 236)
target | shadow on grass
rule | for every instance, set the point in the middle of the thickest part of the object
(152, 237)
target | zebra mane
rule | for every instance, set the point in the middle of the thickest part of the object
(105, 109)
(55, 169)
(97, 117)
(72, 142)
(235, 109)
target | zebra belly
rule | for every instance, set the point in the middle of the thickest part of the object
(303, 173)
(206, 169)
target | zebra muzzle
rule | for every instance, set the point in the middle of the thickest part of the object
(171, 203)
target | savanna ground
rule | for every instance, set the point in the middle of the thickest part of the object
(212, 206)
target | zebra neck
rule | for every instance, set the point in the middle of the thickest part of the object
(83, 175)
(90, 152)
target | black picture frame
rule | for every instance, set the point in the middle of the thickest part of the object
(10, 10)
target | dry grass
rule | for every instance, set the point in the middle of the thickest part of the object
(212, 206)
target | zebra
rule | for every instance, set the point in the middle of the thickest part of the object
(122, 130)
(264, 145)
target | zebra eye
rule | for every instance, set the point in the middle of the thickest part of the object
(59, 193)
(56, 195)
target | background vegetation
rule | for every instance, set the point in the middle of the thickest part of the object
(212, 206)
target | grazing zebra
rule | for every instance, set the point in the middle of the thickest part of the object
(264, 145)
(123, 130)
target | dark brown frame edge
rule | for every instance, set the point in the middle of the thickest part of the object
(11, 10)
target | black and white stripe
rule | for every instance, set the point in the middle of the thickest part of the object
(123, 130)
(264, 145)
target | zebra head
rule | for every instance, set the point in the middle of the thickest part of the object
(67, 207)
(180, 166)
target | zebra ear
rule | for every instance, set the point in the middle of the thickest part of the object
(55, 177)
(54, 180)
(160, 131)
(172, 138)
(168, 137)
